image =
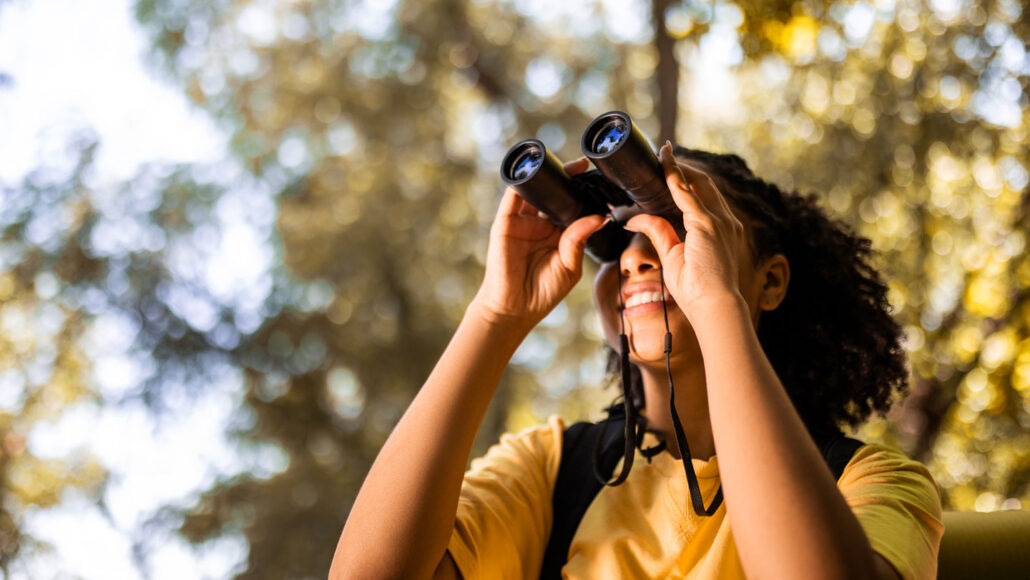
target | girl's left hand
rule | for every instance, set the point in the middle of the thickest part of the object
(705, 265)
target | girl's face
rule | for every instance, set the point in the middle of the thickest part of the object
(644, 320)
(642, 289)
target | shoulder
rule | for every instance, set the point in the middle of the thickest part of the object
(504, 510)
(898, 505)
(879, 465)
(540, 444)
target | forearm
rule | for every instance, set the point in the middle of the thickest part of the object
(402, 519)
(788, 518)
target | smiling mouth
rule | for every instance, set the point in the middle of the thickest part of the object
(643, 298)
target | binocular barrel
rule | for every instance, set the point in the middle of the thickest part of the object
(626, 157)
(540, 179)
(629, 173)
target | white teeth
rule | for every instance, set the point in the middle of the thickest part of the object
(644, 298)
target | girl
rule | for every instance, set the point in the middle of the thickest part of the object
(780, 330)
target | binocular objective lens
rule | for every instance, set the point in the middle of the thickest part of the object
(527, 164)
(610, 136)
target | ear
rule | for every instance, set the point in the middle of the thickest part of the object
(773, 278)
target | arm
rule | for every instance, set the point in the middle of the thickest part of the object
(403, 516)
(787, 516)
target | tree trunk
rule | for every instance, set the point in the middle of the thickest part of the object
(667, 74)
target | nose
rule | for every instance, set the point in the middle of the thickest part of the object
(639, 257)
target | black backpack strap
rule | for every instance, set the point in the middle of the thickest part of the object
(576, 487)
(838, 451)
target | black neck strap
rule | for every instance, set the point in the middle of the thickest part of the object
(681, 439)
(632, 418)
(632, 413)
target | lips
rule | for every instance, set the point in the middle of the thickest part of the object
(644, 296)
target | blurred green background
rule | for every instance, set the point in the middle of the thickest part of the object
(313, 274)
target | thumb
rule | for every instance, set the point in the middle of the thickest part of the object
(574, 240)
(657, 229)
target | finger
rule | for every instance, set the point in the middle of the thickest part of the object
(706, 188)
(573, 240)
(527, 208)
(661, 233)
(686, 199)
(511, 203)
(576, 167)
(700, 183)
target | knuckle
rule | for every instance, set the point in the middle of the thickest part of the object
(704, 221)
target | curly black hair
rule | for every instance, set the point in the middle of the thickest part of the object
(832, 341)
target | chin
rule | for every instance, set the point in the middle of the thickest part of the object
(647, 343)
(656, 357)
(647, 336)
(645, 349)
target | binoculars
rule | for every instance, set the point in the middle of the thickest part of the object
(628, 173)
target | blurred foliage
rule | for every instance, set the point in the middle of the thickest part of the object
(366, 138)
(44, 369)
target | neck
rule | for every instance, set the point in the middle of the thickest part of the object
(691, 405)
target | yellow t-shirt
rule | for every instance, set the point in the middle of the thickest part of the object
(646, 528)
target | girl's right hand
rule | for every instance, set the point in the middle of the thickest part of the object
(531, 265)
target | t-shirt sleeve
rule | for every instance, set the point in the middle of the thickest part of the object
(898, 505)
(504, 510)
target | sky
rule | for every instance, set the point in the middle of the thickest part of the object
(78, 65)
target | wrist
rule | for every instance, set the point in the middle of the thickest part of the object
(514, 325)
(718, 309)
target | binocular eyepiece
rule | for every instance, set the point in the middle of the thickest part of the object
(628, 173)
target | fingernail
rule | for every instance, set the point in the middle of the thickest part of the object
(666, 156)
